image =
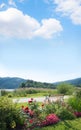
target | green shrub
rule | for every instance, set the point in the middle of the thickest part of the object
(10, 95)
(64, 114)
(50, 108)
(78, 93)
(75, 103)
(4, 93)
(10, 116)
(66, 89)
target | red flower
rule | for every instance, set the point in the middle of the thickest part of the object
(25, 109)
(31, 121)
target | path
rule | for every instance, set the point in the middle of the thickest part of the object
(38, 99)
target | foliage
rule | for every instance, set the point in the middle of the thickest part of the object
(78, 93)
(50, 108)
(65, 89)
(75, 103)
(3, 93)
(24, 92)
(10, 116)
(65, 114)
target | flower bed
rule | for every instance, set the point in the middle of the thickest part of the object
(34, 115)
(46, 114)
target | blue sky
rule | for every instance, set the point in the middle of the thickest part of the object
(40, 39)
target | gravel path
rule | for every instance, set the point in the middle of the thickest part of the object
(38, 99)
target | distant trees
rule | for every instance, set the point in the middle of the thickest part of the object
(34, 84)
(65, 88)
(22, 85)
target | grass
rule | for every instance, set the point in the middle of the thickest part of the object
(30, 92)
(36, 95)
(64, 125)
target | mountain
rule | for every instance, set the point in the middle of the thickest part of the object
(11, 83)
(15, 82)
(76, 82)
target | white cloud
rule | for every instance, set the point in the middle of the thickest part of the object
(2, 5)
(15, 24)
(49, 28)
(70, 8)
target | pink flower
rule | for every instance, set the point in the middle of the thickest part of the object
(50, 119)
(30, 101)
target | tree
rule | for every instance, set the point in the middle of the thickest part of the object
(22, 85)
(65, 88)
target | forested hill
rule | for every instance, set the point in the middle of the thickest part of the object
(76, 82)
(10, 83)
(35, 84)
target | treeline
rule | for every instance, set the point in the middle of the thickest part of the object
(35, 84)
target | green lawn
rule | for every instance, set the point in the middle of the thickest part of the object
(64, 125)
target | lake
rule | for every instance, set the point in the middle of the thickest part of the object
(9, 90)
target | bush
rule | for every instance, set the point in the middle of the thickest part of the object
(50, 108)
(10, 95)
(4, 93)
(9, 115)
(64, 114)
(65, 89)
(75, 103)
(78, 93)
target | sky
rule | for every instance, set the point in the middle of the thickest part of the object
(40, 39)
